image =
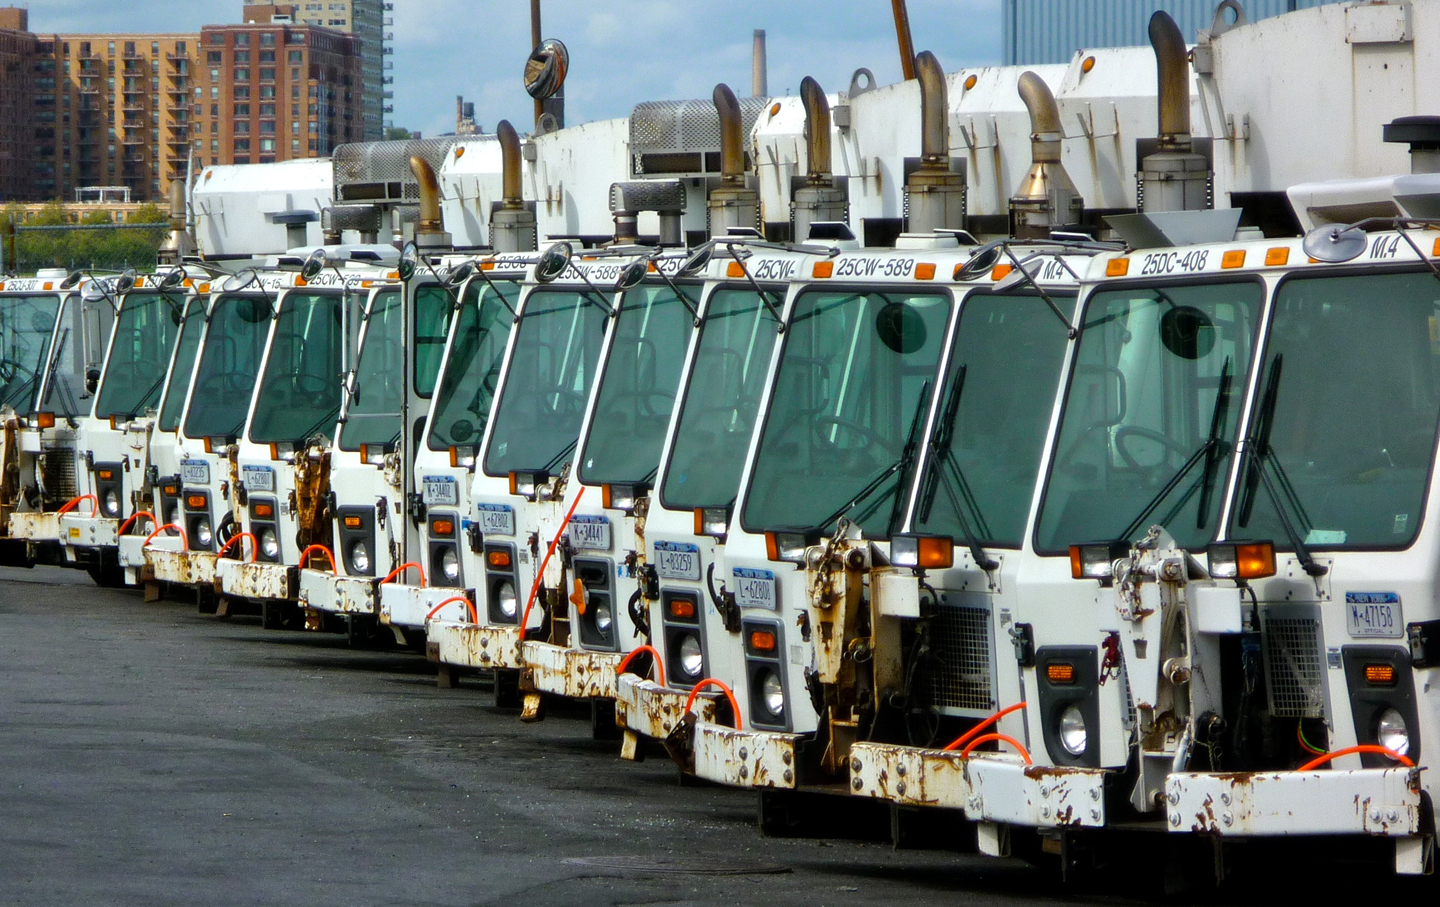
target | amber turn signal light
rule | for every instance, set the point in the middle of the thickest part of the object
(1380, 675)
(498, 558)
(1241, 560)
(1060, 672)
(682, 608)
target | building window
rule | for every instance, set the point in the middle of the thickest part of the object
(242, 127)
(154, 47)
(242, 56)
(267, 39)
(242, 40)
(267, 74)
(217, 37)
(267, 127)
(242, 110)
(267, 56)
(267, 91)
(297, 56)
(242, 93)
(242, 145)
(267, 145)
(242, 75)
(214, 146)
(267, 110)
(179, 47)
(214, 75)
(214, 92)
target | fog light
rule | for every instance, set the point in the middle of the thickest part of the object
(360, 557)
(1392, 733)
(1073, 735)
(505, 598)
(269, 544)
(621, 497)
(603, 618)
(203, 535)
(772, 694)
(450, 564)
(692, 657)
(712, 521)
(922, 552)
(112, 503)
(1096, 560)
(1241, 560)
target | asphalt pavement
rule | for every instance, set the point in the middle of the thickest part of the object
(152, 755)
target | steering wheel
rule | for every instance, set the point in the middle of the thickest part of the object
(869, 435)
(310, 384)
(9, 368)
(1129, 431)
(566, 402)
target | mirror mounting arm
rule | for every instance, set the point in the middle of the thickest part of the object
(1030, 279)
(679, 293)
(764, 294)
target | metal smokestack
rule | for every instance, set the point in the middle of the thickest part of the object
(936, 193)
(819, 199)
(512, 222)
(1174, 178)
(732, 203)
(758, 66)
(1047, 197)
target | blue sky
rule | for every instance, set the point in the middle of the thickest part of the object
(621, 52)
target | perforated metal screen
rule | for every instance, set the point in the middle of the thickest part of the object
(963, 678)
(1294, 667)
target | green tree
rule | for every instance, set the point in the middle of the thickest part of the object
(398, 133)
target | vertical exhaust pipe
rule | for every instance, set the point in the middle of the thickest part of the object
(179, 243)
(429, 229)
(819, 199)
(936, 193)
(731, 204)
(1174, 177)
(512, 222)
(1047, 197)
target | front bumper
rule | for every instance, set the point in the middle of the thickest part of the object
(321, 590)
(1373, 801)
(169, 564)
(246, 579)
(646, 708)
(562, 671)
(35, 527)
(988, 787)
(751, 759)
(402, 605)
(472, 645)
(89, 532)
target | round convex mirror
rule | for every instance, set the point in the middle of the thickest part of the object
(546, 68)
(409, 261)
(126, 281)
(554, 262)
(314, 263)
(93, 291)
(239, 281)
(462, 430)
(696, 261)
(900, 328)
(172, 279)
(71, 280)
(1187, 332)
(982, 261)
(460, 273)
(632, 274)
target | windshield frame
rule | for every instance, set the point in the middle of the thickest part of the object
(161, 297)
(36, 393)
(1242, 421)
(257, 294)
(487, 294)
(339, 297)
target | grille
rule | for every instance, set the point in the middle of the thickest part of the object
(59, 474)
(648, 195)
(380, 171)
(670, 126)
(960, 641)
(1294, 667)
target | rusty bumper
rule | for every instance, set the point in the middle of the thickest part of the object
(753, 759)
(562, 671)
(168, 564)
(35, 527)
(988, 788)
(321, 590)
(403, 605)
(473, 646)
(1374, 801)
(254, 580)
(646, 708)
(132, 551)
(89, 532)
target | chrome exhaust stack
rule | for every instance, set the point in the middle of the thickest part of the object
(820, 199)
(512, 222)
(429, 230)
(1174, 177)
(179, 243)
(936, 193)
(732, 203)
(1047, 197)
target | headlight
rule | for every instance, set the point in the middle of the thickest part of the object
(603, 618)
(450, 564)
(173, 517)
(203, 535)
(1073, 735)
(360, 557)
(1392, 732)
(505, 594)
(269, 544)
(772, 694)
(692, 657)
(112, 503)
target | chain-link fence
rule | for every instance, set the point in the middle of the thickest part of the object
(109, 247)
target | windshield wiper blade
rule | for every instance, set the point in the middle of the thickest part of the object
(907, 457)
(961, 497)
(330, 418)
(900, 464)
(564, 452)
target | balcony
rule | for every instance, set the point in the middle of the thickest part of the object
(135, 138)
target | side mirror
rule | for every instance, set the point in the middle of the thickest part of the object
(172, 279)
(1334, 243)
(697, 260)
(239, 281)
(71, 280)
(554, 262)
(314, 264)
(93, 291)
(632, 274)
(982, 261)
(126, 281)
(409, 261)
(460, 273)
(92, 380)
(546, 68)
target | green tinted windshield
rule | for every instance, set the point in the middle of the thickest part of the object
(845, 400)
(1152, 405)
(1355, 366)
(717, 415)
(144, 340)
(433, 307)
(374, 414)
(299, 395)
(999, 394)
(183, 365)
(537, 421)
(637, 388)
(467, 387)
(229, 361)
(26, 324)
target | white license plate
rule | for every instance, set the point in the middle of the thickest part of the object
(441, 491)
(677, 560)
(754, 588)
(195, 472)
(258, 478)
(495, 519)
(590, 532)
(1374, 614)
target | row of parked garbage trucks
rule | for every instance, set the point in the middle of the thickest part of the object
(1048, 449)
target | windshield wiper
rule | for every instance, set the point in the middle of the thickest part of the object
(902, 462)
(1258, 453)
(944, 456)
(329, 418)
(564, 452)
(1209, 451)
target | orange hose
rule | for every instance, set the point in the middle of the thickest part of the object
(474, 615)
(654, 655)
(965, 737)
(1351, 750)
(133, 517)
(74, 502)
(396, 572)
(986, 738)
(184, 539)
(729, 694)
(540, 574)
(254, 546)
(321, 548)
